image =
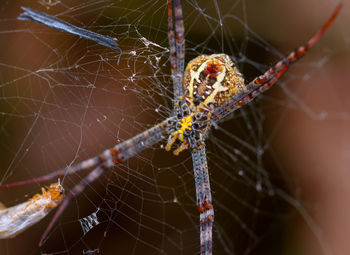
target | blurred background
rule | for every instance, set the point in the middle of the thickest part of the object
(64, 99)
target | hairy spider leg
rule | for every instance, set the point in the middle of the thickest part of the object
(204, 200)
(171, 39)
(200, 168)
(177, 48)
(107, 156)
(108, 159)
(84, 165)
(180, 41)
(265, 81)
(292, 57)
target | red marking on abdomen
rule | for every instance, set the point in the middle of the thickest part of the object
(213, 69)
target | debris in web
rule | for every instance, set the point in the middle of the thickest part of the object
(89, 222)
(91, 252)
(61, 25)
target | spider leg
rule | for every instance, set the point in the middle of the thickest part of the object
(171, 38)
(180, 40)
(86, 164)
(177, 48)
(204, 199)
(171, 141)
(110, 157)
(294, 56)
(182, 147)
(263, 82)
(104, 161)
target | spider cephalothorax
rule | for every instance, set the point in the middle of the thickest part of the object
(188, 128)
(211, 81)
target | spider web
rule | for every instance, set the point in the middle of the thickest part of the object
(64, 99)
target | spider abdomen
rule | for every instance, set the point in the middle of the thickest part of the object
(210, 81)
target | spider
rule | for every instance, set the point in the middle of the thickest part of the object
(209, 89)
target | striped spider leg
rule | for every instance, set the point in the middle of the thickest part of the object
(177, 48)
(213, 87)
(191, 127)
(265, 81)
(109, 158)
